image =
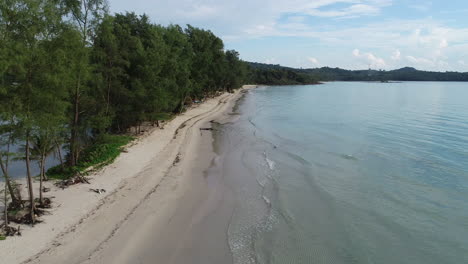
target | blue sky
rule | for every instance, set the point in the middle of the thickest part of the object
(351, 34)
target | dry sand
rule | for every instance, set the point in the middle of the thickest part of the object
(157, 201)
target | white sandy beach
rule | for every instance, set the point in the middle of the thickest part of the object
(143, 191)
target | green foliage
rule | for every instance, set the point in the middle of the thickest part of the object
(104, 151)
(143, 70)
(58, 173)
(162, 116)
(280, 76)
(71, 74)
(2, 237)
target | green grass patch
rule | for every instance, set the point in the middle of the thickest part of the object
(2, 237)
(163, 116)
(106, 149)
(13, 211)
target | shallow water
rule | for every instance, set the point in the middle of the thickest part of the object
(17, 168)
(349, 173)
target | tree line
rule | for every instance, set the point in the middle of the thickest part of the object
(268, 74)
(403, 74)
(71, 73)
(276, 74)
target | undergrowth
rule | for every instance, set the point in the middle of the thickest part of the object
(104, 151)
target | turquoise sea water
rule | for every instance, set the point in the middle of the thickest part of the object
(349, 173)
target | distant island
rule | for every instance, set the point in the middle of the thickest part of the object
(279, 75)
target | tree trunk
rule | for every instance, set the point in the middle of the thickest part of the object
(41, 180)
(181, 106)
(109, 79)
(6, 207)
(44, 175)
(14, 199)
(4, 167)
(59, 152)
(30, 187)
(74, 131)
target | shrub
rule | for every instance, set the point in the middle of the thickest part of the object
(104, 151)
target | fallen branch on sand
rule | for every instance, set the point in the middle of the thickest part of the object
(98, 191)
(72, 181)
(6, 231)
(206, 128)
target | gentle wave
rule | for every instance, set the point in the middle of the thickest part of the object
(353, 173)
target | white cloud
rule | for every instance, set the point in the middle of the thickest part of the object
(443, 43)
(199, 11)
(421, 38)
(271, 61)
(462, 62)
(313, 60)
(351, 11)
(242, 20)
(420, 61)
(369, 58)
(396, 55)
(356, 53)
(232, 17)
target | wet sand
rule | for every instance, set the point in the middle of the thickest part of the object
(185, 221)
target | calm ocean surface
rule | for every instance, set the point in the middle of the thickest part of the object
(349, 173)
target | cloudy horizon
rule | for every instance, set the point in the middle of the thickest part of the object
(350, 34)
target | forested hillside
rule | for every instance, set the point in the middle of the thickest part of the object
(277, 75)
(337, 74)
(403, 74)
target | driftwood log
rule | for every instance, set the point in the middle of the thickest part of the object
(78, 178)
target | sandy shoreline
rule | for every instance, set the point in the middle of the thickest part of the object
(145, 181)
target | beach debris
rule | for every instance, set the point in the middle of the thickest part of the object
(7, 231)
(46, 203)
(176, 160)
(45, 189)
(98, 191)
(23, 215)
(206, 128)
(18, 216)
(72, 181)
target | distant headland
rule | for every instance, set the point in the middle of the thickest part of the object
(276, 75)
